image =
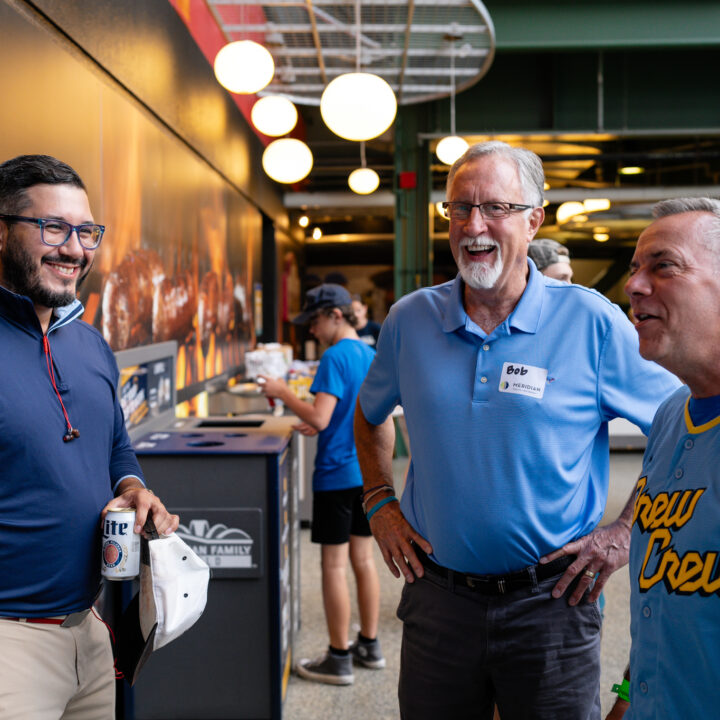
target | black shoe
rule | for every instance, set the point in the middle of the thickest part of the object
(368, 655)
(328, 668)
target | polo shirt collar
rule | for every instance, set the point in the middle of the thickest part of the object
(525, 317)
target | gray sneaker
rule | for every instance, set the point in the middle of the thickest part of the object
(328, 668)
(368, 655)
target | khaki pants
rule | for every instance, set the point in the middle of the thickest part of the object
(48, 672)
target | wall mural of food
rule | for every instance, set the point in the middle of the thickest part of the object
(179, 254)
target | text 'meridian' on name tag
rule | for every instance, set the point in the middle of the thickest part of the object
(523, 379)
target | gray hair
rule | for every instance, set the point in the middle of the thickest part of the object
(528, 164)
(675, 206)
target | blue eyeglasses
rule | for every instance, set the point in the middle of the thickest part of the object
(57, 232)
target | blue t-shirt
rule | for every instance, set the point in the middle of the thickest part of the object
(508, 431)
(341, 371)
(674, 570)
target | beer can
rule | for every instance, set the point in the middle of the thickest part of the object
(120, 545)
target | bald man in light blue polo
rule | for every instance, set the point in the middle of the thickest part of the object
(508, 380)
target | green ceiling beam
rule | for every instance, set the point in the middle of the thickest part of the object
(592, 24)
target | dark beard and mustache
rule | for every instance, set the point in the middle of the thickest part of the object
(21, 276)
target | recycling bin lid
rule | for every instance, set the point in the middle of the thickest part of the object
(197, 441)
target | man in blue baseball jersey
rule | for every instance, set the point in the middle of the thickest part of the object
(508, 380)
(674, 290)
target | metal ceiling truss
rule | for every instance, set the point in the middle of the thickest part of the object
(410, 43)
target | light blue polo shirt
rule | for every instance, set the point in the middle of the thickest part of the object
(508, 431)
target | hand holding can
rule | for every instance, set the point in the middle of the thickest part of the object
(120, 545)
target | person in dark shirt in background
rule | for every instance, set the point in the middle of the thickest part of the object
(368, 330)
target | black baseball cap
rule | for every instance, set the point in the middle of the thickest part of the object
(327, 295)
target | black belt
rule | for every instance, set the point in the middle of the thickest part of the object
(498, 584)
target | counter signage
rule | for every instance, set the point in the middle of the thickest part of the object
(228, 539)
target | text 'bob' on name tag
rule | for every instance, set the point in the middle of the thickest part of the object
(523, 379)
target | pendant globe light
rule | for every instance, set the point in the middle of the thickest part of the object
(274, 115)
(358, 106)
(287, 160)
(450, 148)
(363, 180)
(244, 67)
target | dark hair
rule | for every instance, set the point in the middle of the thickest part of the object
(347, 312)
(25, 171)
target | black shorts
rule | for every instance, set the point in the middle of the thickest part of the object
(338, 514)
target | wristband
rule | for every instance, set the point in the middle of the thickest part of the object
(374, 487)
(623, 690)
(384, 501)
(373, 493)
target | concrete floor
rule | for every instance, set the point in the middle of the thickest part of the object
(374, 693)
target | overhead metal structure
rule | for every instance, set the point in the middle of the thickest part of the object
(406, 42)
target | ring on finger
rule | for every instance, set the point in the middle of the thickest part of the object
(589, 573)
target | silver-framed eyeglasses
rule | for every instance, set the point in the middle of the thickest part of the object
(57, 232)
(462, 210)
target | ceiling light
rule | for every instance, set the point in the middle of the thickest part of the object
(631, 170)
(601, 237)
(358, 106)
(440, 210)
(287, 160)
(601, 229)
(546, 185)
(316, 233)
(450, 148)
(363, 181)
(274, 115)
(303, 221)
(568, 210)
(596, 204)
(244, 67)
(546, 202)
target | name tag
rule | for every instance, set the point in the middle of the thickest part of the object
(523, 380)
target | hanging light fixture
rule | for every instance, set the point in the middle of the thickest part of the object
(450, 148)
(358, 106)
(287, 160)
(596, 204)
(363, 180)
(568, 210)
(274, 115)
(244, 67)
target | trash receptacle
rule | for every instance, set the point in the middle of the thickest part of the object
(235, 494)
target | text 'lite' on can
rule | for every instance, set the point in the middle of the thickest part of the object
(120, 545)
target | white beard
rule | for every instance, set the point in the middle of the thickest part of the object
(480, 276)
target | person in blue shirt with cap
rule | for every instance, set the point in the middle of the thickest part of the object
(338, 522)
(508, 381)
